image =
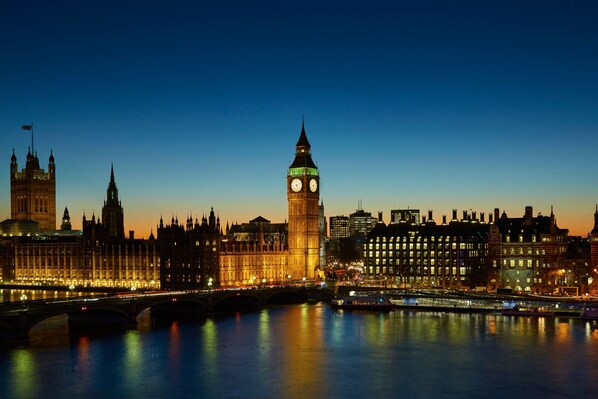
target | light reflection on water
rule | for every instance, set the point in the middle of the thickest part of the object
(310, 351)
(16, 294)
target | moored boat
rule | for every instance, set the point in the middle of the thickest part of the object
(376, 302)
(527, 311)
(590, 313)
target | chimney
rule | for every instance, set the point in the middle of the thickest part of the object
(474, 214)
(454, 214)
(527, 218)
(380, 217)
(490, 218)
(131, 234)
(496, 214)
(443, 219)
(464, 215)
(430, 219)
(423, 219)
(482, 217)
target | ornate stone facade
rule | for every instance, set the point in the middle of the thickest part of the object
(33, 192)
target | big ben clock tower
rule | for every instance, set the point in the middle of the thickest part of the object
(303, 194)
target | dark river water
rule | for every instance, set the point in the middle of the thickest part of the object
(310, 351)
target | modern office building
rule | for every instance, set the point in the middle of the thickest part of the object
(361, 223)
(339, 227)
(407, 215)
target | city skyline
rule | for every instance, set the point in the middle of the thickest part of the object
(462, 106)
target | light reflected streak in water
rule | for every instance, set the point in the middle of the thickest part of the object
(309, 350)
(23, 374)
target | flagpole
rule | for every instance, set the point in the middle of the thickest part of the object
(32, 148)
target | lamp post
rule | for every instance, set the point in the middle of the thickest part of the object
(210, 285)
(264, 283)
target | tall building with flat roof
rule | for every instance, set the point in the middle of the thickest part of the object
(407, 215)
(361, 223)
(339, 227)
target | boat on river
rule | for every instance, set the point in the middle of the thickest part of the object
(590, 313)
(528, 311)
(359, 302)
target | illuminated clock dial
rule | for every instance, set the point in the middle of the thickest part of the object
(296, 185)
(313, 185)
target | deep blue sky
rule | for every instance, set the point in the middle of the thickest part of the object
(429, 104)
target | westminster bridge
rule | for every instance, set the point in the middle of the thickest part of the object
(121, 310)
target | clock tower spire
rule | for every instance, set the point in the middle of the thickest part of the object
(303, 195)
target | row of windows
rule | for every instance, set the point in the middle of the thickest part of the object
(522, 263)
(404, 245)
(430, 254)
(40, 203)
(412, 237)
(535, 238)
(399, 262)
(419, 271)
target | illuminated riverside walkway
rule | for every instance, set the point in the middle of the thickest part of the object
(16, 319)
(472, 302)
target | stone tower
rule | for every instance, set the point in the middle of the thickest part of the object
(303, 195)
(112, 211)
(33, 191)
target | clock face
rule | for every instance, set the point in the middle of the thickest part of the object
(296, 185)
(313, 185)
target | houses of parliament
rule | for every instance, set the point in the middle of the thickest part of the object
(529, 254)
(183, 255)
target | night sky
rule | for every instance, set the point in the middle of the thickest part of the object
(198, 104)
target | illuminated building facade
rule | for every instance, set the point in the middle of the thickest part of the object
(449, 255)
(253, 262)
(254, 253)
(117, 262)
(260, 252)
(33, 191)
(93, 257)
(70, 257)
(526, 254)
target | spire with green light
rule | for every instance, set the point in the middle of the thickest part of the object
(303, 165)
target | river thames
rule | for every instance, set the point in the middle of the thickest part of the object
(310, 351)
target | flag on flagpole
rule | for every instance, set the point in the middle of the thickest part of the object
(27, 127)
